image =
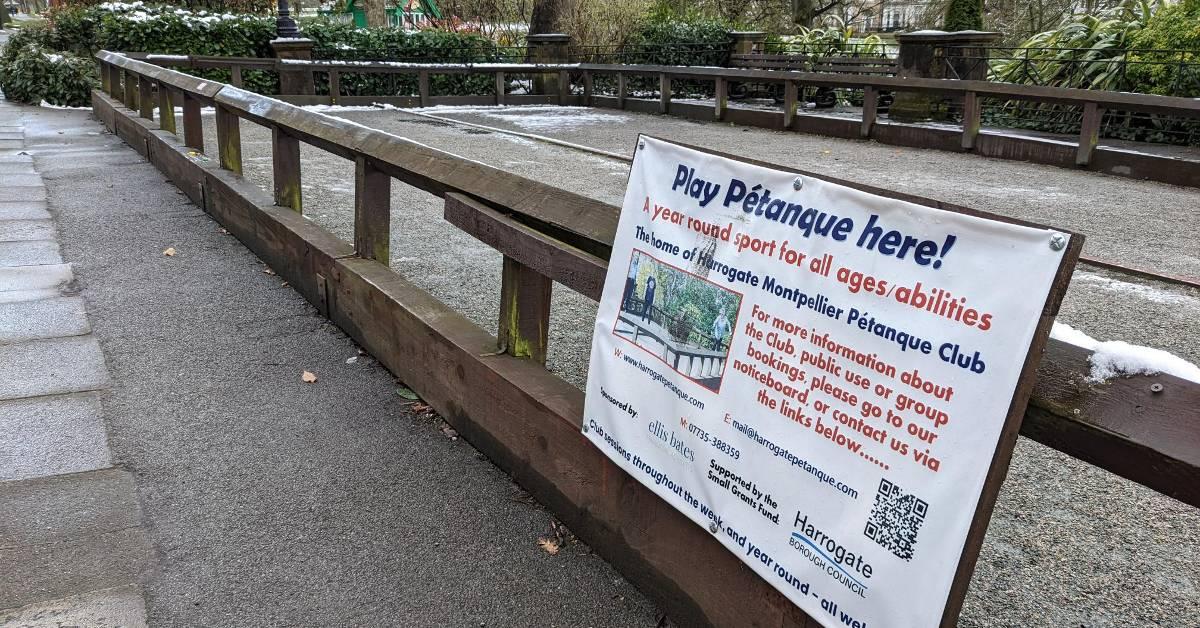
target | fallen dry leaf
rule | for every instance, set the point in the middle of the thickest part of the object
(550, 545)
(169, 251)
(308, 377)
(268, 271)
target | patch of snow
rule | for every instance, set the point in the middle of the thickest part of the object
(46, 105)
(1116, 357)
(1143, 291)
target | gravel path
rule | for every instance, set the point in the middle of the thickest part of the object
(1069, 544)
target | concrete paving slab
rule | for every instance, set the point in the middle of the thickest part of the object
(34, 573)
(120, 606)
(53, 435)
(23, 193)
(68, 507)
(20, 179)
(15, 166)
(11, 144)
(51, 367)
(44, 318)
(23, 210)
(31, 253)
(23, 230)
(21, 282)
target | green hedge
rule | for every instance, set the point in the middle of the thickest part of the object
(30, 74)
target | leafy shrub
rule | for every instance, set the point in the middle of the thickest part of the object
(30, 75)
(1175, 26)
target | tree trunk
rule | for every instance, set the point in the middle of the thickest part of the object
(376, 13)
(548, 16)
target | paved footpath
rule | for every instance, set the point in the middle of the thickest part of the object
(266, 500)
(72, 543)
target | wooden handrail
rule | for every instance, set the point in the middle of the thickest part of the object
(1145, 428)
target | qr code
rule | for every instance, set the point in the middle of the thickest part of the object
(895, 520)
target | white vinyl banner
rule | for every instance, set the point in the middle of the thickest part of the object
(817, 375)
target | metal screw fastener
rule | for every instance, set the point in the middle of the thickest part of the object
(1058, 241)
(641, 144)
(1156, 388)
(712, 527)
(585, 428)
(797, 183)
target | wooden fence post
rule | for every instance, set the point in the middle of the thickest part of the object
(372, 212)
(423, 87)
(587, 88)
(564, 86)
(664, 92)
(1089, 133)
(789, 103)
(335, 86)
(870, 110)
(524, 311)
(235, 76)
(105, 78)
(622, 89)
(146, 97)
(229, 140)
(193, 126)
(500, 85)
(721, 97)
(129, 80)
(166, 108)
(285, 162)
(114, 81)
(972, 110)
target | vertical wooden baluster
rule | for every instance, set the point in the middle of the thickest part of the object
(564, 86)
(721, 97)
(664, 93)
(870, 110)
(970, 123)
(114, 81)
(524, 311)
(229, 140)
(105, 78)
(622, 89)
(285, 162)
(500, 84)
(423, 87)
(335, 86)
(146, 97)
(372, 212)
(235, 77)
(789, 103)
(1089, 133)
(193, 126)
(131, 89)
(166, 108)
(587, 88)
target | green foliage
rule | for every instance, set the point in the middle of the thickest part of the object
(30, 75)
(834, 38)
(1174, 73)
(670, 39)
(964, 15)
(344, 42)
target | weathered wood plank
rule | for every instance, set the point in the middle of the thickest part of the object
(285, 163)
(587, 89)
(1089, 133)
(870, 111)
(193, 125)
(501, 86)
(146, 97)
(622, 90)
(524, 324)
(664, 92)
(335, 87)
(564, 86)
(972, 111)
(130, 80)
(423, 87)
(166, 108)
(789, 103)
(235, 75)
(372, 212)
(229, 139)
(720, 98)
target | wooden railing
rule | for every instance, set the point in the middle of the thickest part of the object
(1145, 428)
(1093, 103)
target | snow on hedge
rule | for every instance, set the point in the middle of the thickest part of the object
(1113, 358)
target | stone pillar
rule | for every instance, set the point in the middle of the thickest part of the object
(294, 82)
(937, 55)
(548, 48)
(747, 42)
